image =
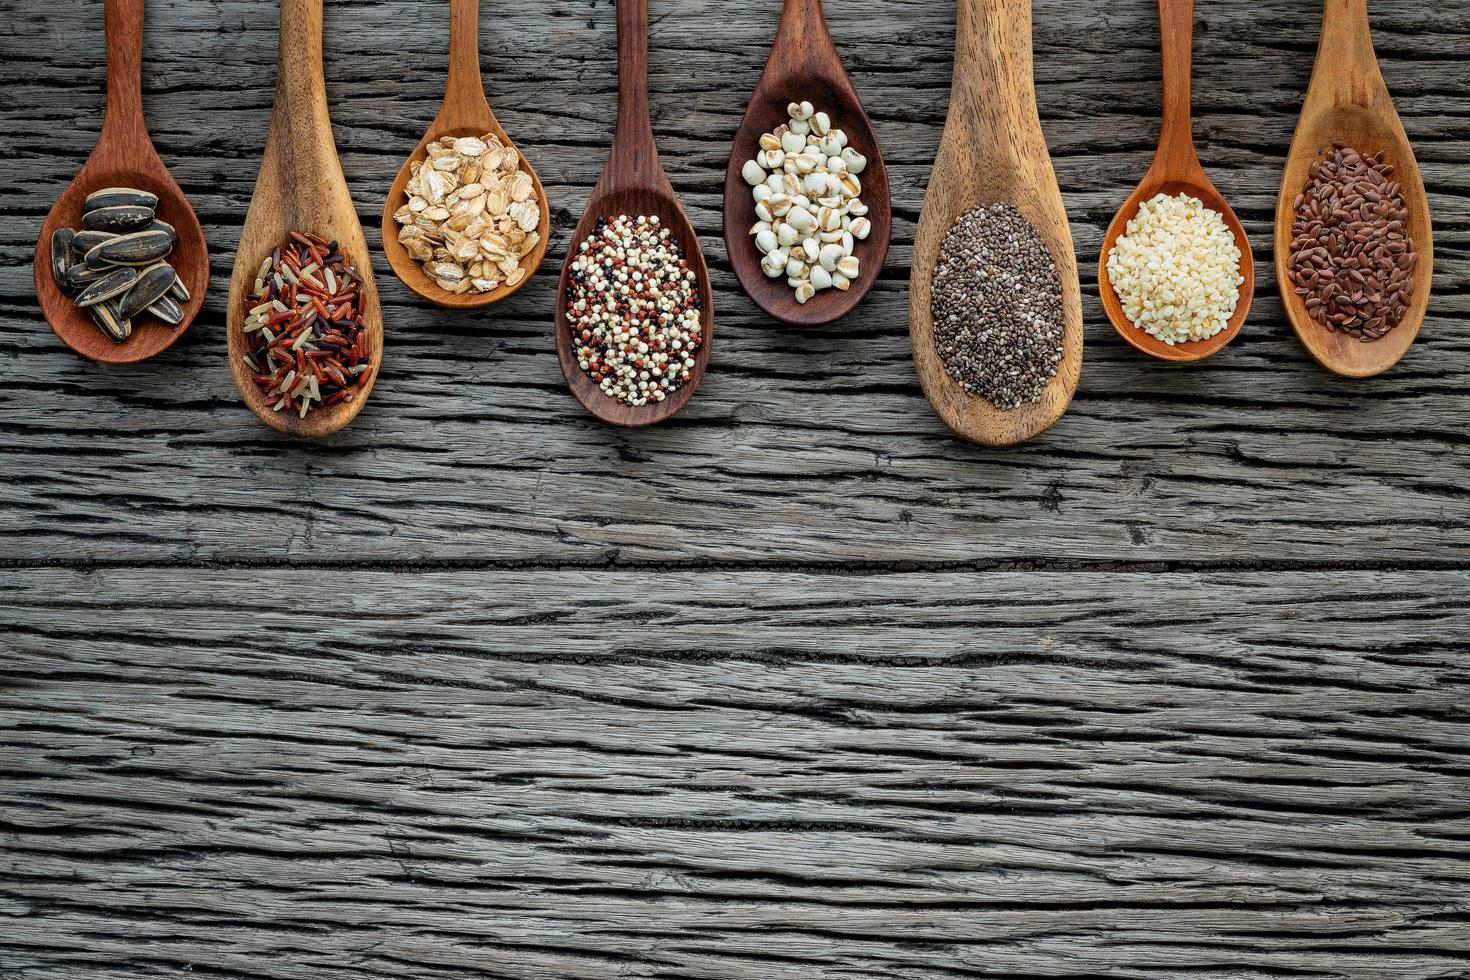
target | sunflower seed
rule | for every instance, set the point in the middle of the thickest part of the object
(138, 248)
(167, 310)
(111, 322)
(81, 275)
(115, 266)
(85, 241)
(61, 240)
(151, 286)
(111, 197)
(164, 226)
(119, 218)
(113, 284)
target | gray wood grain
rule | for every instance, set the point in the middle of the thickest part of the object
(736, 774)
(797, 686)
(803, 445)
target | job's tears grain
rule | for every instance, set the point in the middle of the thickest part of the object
(997, 307)
(809, 213)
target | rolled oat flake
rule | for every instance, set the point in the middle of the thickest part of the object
(997, 307)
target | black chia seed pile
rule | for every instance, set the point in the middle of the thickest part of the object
(997, 307)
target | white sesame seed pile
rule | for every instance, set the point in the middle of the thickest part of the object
(633, 308)
(1176, 269)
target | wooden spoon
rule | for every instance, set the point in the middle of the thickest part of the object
(465, 112)
(1176, 170)
(123, 157)
(301, 188)
(993, 151)
(633, 182)
(1348, 101)
(803, 65)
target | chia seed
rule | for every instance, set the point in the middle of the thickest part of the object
(997, 307)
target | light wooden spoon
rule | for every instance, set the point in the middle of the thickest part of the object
(633, 182)
(465, 112)
(993, 151)
(803, 65)
(1176, 170)
(123, 157)
(1349, 101)
(301, 188)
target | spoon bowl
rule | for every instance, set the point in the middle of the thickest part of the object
(647, 201)
(803, 66)
(1198, 186)
(1176, 170)
(301, 189)
(633, 182)
(993, 151)
(1348, 101)
(123, 157)
(465, 112)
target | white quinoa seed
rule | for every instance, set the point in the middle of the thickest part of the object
(1176, 270)
(633, 308)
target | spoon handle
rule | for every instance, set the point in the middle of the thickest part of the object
(634, 132)
(1347, 42)
(465, 91)
(123, 122)
(993, 87)
(802, 33)
(1176, 152)
(992, 49)
(300, 119)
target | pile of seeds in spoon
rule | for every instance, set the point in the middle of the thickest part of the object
(1351, 259)
(809, 215)
(633, 309)
(115, 267)
(997, 307)
(472, 214)
(307, 345)
(1176, 269)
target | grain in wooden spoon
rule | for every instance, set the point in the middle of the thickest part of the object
(465, 112)
(301, 189)
(993, 151)
(1348, 101)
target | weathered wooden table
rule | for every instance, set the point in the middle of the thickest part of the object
(795, 686)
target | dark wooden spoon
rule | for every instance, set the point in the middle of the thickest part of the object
(633, 182)
(1349, 101)
(803, 66)
(123, 157)
(1176, 170)
(301, 188)
(465, 112)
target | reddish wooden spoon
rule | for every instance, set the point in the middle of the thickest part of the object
(633, 182)
(1176, 170)
(803, 66)
(465, 112)
(123, 157)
